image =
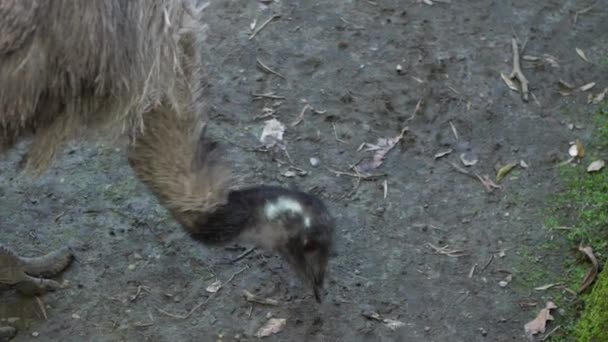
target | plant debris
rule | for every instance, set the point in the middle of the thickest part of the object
(454, 253)
(592, 273)
(214, 287)
(272, 134)
(468, 159)
(577, 150)
(596, 166)
(539, 324)
(272, 326)
(587, 86)
(597, 98)
(443, 153)
(250, 297)
(582, 55)
(506, 281)
(392, 324)
(382, 147)
(546, 287)
(503, 171)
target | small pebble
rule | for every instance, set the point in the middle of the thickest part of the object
(399, 68)
(314, 161)
(75, 316)
(131, 267)
(35, 334)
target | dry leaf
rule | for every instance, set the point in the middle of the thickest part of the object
(596, 166)
(214, 287)
(255, 299)
(393, 324)
(587, 86)
(468, 159)
(506, 281)
(272, 132)
(551, 60)
(592, 274)
(565, 84)
(539, 324)
(582, 55)
(599, 97)
(382, 147)
(577, 150)
(509, 82)
(443, 154)
(273, 326)
(503, 171)
(546, 287)
(523, 164)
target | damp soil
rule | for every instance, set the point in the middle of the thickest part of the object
(137, 274)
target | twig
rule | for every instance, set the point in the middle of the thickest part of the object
(357, 175)
(42, 309)
(336, 134)
(443, 250)
(261, 27)
(472, 271)
(301, 116)
(582, 11)
(268, 96)
(205, 301)
(267, 69)
(454, 130)
(255, 299)
(551, 332)
(488, 263)
(517, 73)
(242, 255)
(418, 105)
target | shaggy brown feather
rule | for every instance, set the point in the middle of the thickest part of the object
(67, 66)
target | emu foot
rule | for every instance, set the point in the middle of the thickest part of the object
(7, 333)
(27, 275)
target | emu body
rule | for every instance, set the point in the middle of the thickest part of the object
(74, 68)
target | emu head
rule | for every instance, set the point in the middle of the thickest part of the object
(303, 235)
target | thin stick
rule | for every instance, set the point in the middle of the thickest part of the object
(242, 255)
(301, 116)
(205, 301)
(517, 73)
(268, 96)
(261, 27)
(551, 332)
(267, 69)
(356, 175)
(336, 134)
(472, 272)
(42, 309)
(488, 263)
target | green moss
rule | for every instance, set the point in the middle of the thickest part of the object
(580, 215)
(593, 325)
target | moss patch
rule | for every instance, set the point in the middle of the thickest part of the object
(580, 213)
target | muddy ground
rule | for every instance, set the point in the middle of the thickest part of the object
(340, 57)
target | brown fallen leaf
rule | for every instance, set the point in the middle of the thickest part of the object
(596, 166)
(582, 55)
(587, 86)
(272, 326)
(272, 133)
(539, 324)
(577, 150)
(509, 82)
(382, 147)
(255, 299)
(503, 171)
(214, 287)
(592, 273)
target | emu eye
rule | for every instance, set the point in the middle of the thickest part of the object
(310, 245)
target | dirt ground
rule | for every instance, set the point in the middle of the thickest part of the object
(136, 269)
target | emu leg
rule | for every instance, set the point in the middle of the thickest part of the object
(7, 333)
(23, 273)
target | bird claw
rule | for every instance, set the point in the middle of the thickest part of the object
(7, 333)
(22, 273)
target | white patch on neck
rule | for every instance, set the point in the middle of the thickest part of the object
(273, 210)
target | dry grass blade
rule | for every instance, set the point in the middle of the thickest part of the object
(453, 253)
(592, 273)
(250, 297)
(267, 69)
(257, 30)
